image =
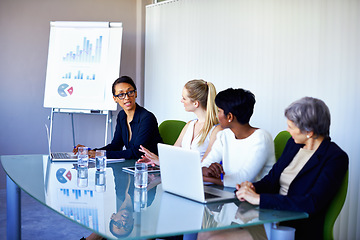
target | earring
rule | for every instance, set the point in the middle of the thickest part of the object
(307, 136)
(229, 120)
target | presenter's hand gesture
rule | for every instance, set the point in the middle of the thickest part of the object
(148, 157)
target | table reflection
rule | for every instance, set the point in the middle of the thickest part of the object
(106, 202)
(75, 193)
(230, 214)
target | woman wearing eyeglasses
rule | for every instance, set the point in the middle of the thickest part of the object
(135, 125)
(198, 96)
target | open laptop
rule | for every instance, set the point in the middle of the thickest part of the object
(59, 156)
(181, 174)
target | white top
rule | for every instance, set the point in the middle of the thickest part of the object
(248, 159)
(194, 144)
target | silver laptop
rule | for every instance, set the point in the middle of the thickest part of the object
(181, 174)
(59, 156)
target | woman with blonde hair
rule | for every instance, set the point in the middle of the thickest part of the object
(198, 96)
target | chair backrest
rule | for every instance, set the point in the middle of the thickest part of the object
(280, 142)
(170, 130)
(334, 208)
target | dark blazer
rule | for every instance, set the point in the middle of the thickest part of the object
(311, 190)
(145, 131)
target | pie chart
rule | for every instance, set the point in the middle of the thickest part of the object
(65, 90)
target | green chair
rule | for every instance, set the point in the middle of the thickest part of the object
(280, 142)
(335, 208)
(170, 130)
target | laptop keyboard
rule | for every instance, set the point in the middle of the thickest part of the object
(60, 155)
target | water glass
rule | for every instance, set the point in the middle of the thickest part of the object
(141, 175)
(82, 176)
(100, 181)
(83, 157)
(100, 160)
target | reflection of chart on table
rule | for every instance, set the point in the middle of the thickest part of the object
(87, 215)
(83, 62)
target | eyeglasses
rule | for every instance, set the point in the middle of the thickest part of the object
(121, 96)
(120, 224)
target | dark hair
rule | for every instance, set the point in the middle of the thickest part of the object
(310, 114)
(123, 79)
(239, 102)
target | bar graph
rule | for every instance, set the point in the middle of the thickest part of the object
(88, 53)
(79, 75)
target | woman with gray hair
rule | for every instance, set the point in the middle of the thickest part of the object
(305, 178)
(307, 175)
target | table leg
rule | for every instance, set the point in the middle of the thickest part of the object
(13, 210)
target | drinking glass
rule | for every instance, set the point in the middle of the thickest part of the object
(83, 157)
(141, 175)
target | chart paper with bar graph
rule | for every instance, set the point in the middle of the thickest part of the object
(83, 62)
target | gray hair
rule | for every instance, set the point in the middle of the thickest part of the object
(310, 114)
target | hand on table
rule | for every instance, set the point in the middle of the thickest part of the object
(246, 192)
(91, 153)
(75, 150)
(214, 170)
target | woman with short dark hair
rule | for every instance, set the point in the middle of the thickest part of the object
(240, 151)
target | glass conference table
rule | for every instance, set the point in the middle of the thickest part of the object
(108, 204)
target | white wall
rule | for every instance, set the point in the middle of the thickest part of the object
(280, 50)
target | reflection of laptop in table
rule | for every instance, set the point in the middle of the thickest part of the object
(59, 156)
(179, 215)
(181, 175)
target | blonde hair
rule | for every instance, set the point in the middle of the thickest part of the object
(205, 93)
